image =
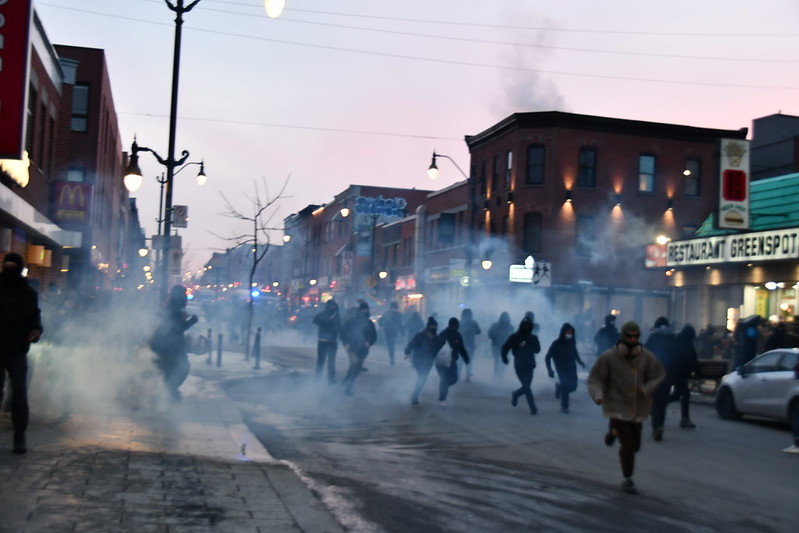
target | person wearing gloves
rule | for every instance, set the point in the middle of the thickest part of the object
(524, 345)
(623, 380)
(563, 351)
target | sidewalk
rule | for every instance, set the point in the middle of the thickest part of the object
(189, 466)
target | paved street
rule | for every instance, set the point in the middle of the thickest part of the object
(478, 464)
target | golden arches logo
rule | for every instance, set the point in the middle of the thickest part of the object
(72, 191)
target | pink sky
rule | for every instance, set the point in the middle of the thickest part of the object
(334, 93)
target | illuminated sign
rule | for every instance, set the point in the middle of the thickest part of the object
(734, 186)
(71, 201)
(746, 247)
(15, 25)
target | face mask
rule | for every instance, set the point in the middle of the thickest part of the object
(568, 337)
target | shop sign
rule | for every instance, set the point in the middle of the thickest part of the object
(746, 247)
(405, 283)
(15, 26)
(734, 184)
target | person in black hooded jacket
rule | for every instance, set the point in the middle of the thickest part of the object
(447, 366)
(422, 350)
(563, 351)
(524, 345)
(663, 343)
(20, 325)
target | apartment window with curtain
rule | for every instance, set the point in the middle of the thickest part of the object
(585, 236)
(80, 108)
(586, 168)
(646, 173)
(535, 164)
(693, 177)
(533, 230)
(508, 168)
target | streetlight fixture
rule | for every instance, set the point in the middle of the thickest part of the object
(273, 9)
(432, 170)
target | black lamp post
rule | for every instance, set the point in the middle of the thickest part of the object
(273, 9)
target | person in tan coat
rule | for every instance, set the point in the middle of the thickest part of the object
(622, 381)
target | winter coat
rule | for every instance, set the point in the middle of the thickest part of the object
(605, 338)
(358, 332)
(663, 343)
(19, 314)
(625, 379)
(523, 346)
(563, 352)
(453, 338)
(500, 330)
(469, 329)
(391, 322)
(685, 362)
(423, 349)
(329, 323)
(169, 339)
(414, 324)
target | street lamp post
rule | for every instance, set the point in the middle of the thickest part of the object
(273, 9)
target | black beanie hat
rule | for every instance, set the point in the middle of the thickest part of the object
(13, 257)
(431, 322)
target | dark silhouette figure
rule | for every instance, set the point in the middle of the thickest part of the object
(422, 350)
(391, 322)
(168, 341)
(524, 345)
(469, 330)
(413, 324)
(662, 342)
(359, 335)
(607, 335)
(563, 352)
(20, 325)
(329, 323)
(498, 333)
(447, 364)
(683, 366)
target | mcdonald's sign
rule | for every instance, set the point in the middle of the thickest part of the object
(15, 25)
(71, 201)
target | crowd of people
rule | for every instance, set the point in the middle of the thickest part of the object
(661, 365)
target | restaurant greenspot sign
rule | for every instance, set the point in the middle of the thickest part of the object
(744, 247)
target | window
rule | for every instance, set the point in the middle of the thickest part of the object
(483, 180)
(76, 174)
(693, 177)
(533, 229)
(646, 173)
(446, 229)
(535, 164)
(508, 168)
(30, 124)
(80, 107)
(586, 170)
(585, 236)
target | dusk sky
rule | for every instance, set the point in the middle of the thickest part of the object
(340, 92)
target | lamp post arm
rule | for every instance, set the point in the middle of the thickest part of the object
(453, 162)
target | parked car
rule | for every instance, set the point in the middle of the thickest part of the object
(766, 386)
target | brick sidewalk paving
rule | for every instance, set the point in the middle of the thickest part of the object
(194, 467)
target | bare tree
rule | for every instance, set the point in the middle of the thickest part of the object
(262, 211)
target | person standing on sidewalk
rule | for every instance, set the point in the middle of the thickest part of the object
(524, 345)
(469, 329)
(447, 364)
(20, 325)
(169, 340)
(359, 335)
(563, 351)
(663, 343)
(622, 381)
(391, 322)
(329, 323)
(684, 365)
(422, 350)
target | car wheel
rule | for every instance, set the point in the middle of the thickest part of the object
(725, 405)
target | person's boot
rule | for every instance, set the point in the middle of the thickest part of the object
(19, 443)
(514, 399)
(686, 423)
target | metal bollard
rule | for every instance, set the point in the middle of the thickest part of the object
(256, 348)
(210, 360)
(219, 350)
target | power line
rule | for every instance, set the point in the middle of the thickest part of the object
(446, 61)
